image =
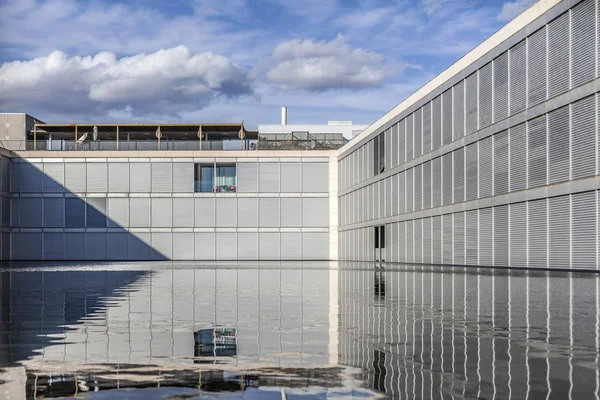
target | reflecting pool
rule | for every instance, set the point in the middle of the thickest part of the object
(291, 330)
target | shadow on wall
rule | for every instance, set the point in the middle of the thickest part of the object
(61, 225)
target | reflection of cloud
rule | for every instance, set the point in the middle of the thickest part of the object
(171, 78)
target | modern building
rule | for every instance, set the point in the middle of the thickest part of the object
(494, 162)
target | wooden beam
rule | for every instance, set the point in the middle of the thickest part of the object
(34, 137)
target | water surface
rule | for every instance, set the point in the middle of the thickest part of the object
(285, 330)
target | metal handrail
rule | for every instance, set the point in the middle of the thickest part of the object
(125, 145)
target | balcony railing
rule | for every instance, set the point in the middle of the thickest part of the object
(125, 145)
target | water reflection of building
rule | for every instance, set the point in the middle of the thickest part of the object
(471, 333)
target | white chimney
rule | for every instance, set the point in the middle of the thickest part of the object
(283, 115)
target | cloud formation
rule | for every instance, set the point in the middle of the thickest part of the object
(320, 65)
(163, 81)
(511, 9)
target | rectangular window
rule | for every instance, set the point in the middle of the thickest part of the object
(219, 177)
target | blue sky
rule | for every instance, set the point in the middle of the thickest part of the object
(228, 60)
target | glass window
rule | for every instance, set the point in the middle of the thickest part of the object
(204, 178)
(220, 177)
(225, 178)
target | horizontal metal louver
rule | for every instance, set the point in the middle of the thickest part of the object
(394, 161)
(418, 172)
(501, 236)
(558, 55)
(501, 86)
(402, 142)
(583, 230)
(459, 110)
(409, 137)
(436, 182)
(471, 231)
(485, 95)
(536, 146)
(459, 175)
(388, 152)
(558, 145)
(402, 241)
(536, 70)
(537, 233)
(427, 128)
(436, 123)
(395, 209)
(447, 179)
(518, 157)
(460, 238)
(427, 240)
(471, 103)
(501, 163)
(583, 138)
(418, 240)
(427, 185)
(447, 238)
(402, 192)
(472, 174)
(558, 232)
(388, 197)
(583, 43)
(410, 242)
(518, 77)
(447, 117)
(418, 126)
(486, 178)
(486, 237)
(436, 241)
(518, 234)
(409, 190)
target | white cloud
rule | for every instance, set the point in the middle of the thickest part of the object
(511, 9)
(431, 6)
(167, 81)
(320, 65)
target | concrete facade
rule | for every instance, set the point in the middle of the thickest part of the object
(142, 206)
(492, 163)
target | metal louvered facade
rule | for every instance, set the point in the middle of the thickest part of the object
(510, 150)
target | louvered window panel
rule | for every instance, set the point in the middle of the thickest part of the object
(486, 236)
(501, 236)
(536, 70)
(518, 160)
(427, 185)
(447, 179)
(537, 232)
(471, 103)
(436, 123)
(447, 117)
(558, 232)
(436, 240)
(518, 235)
(427, 240)
(558, 145)
(536, 145)
(389, 197)
(418, 240)
(402, 192)
(486, 178)
(447, 238)
(402, 142)
(471, 237)
(410, 242)
(388, 150)
(409, 190)
(501, 163)
(471, 171)
(394, 195)
(418, 171)
(583, 136)
(501, 87)
(427, 128)
(518, 78)
(583, 230)
(558, 55)
(402, 241)
(436, 182)
(583, 43)
(459, 175)
(418, 118)
(409, 137)
(485, 95)
(459, 237)
(459, 110)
